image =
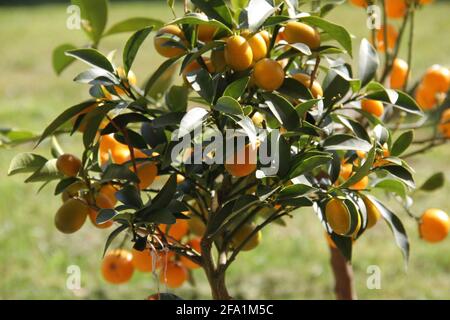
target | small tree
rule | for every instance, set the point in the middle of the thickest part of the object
(271, 72)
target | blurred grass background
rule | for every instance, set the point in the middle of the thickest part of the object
(291, 263)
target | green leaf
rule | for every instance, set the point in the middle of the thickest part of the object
(228, 105)
(400, 173)
(166, 194)
(403, 101)
(25, 163)
(335, 87)
(119, 172)
(355, 127)
(64, 184)
(368, 62)
(200, 19)
(304, 107)
(391, 185)
(294, 89)
(164, 72)
(215, 9)
(192, 119)
(105, 215)
(132, 47)
(130, 196)
(396, 226)
(296, 190)
(257, 13)
(95, 13)
(237, 88)
(308, 164)
(47, 172)
(362, 171)
(434, 182)
(283, 110)
(92, 57)
(336, 32)
(176, 98)
(64, 117)
(402, 143)
(346, 142)
(134, 24)
(59, 59)
(113, 235)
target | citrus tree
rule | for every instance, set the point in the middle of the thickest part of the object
(280, 76)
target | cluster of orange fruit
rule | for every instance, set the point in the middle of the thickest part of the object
(244, 51)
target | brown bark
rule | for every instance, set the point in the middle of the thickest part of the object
(343, 274)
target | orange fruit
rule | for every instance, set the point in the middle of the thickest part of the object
(268, 74)
(146, 173)
(143, 260)
(243, 162)
(359, 3)
(361, 184)
(177, 230)
(195, 66)
(305, 79)
(297, 32)
(437, 79)
(102, 202)
(391, 34)
(396, 8)
(425, 1)
(162, 45)
(206, 32)
(361, 154)
(444, 125)
(85, 112)
(68, 164)
(218, 60)
(426, 97)
(174, 274)
(434, 225)
(109, 145)
(243, 233)
(109, 191)
(346, 171)
(373, 106)
(398, 74)
(71, 216)
(338, 217)
(266, 36)
(238, 53)
(194, 244)
(117, 266)
(373, 215)
(257, 44)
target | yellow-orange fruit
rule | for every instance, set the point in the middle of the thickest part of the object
(117, 266)
(71, 216)
(243, 162)
(359, 3)
(258, 45)
(361, 184)
(174, 274)
(434, 225)
(101, 202)
(266, 36)
(398, 74)
(238, 53)
(391, 34)
(177, 230)
(162, 45)
(305, 79)
(297, 32)
(437, 79)
(143, 260)
(194, 244)
(373, 106)
(206, 32)
(346, 171)
(426, 97)
(396, 8)
(68, 164)
(243, 233)
(146, 173)
(109, 191)
(120, 152)
(373, 215)
(194, 66)
(268, 74)
(444, 125)
(338, 216)
(425, 1)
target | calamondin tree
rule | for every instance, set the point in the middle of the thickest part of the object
(259, 110)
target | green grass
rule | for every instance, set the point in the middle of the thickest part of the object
(291, 263)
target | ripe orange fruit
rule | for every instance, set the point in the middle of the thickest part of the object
(71, 216)
(257, 43)
(102, 202)
(174, 274)
(398, 73)
(305, 79)
(266, 36)
(109, 145)
(177, 230)
(143, 260)
(373, 106)
(218, 60)
(437, 79)
(346, 171)
(444, 125)
(373, 215)
(109, 191)
(195, 66)
(194, 244)
(391, 34)
(117, 266)
(396, 8)
(359, 3)
(243, 162)
(268, 74)
(68, 164)
(162, 45)
(146, 173)
(434, 225)
(238, 53)
(297, 32)
(361, 184)
(241, 235)
(426, 97)
(85, 112)
(338, 216)
(206, 32)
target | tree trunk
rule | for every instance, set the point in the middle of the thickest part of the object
(343, 275)
(218, 287)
